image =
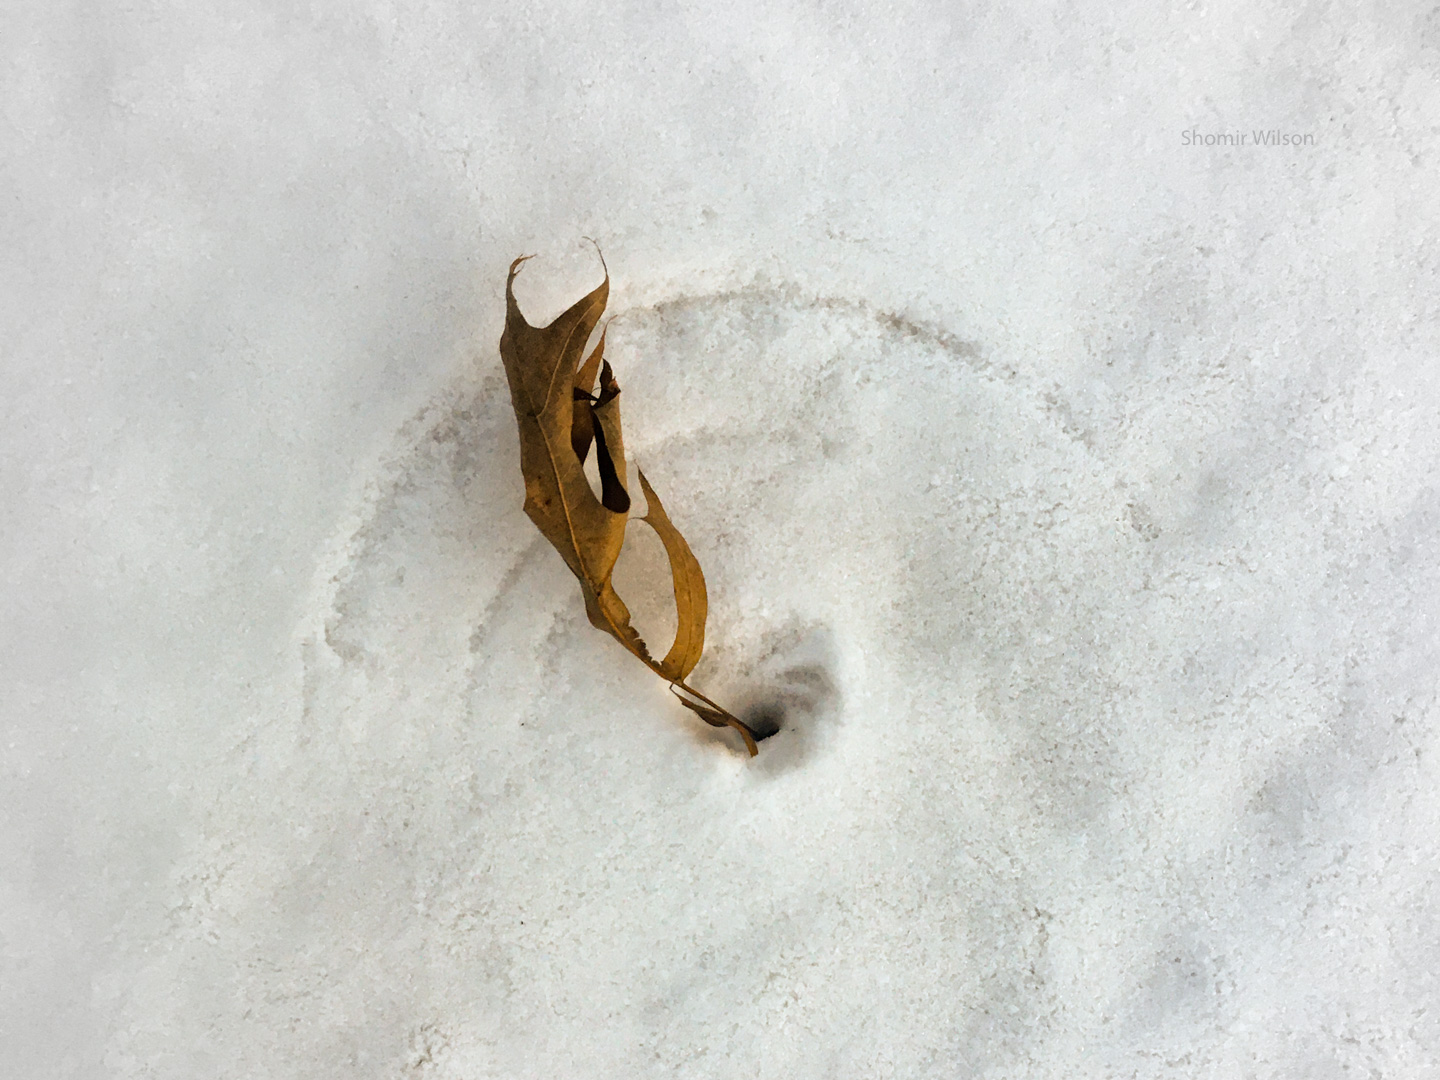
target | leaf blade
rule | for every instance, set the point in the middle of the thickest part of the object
(558, 497)
(691, 600)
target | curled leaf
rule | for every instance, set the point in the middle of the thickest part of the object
(560, 416)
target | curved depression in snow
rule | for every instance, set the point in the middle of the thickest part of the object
(1003, 712)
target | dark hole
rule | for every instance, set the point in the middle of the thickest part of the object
(765, 720)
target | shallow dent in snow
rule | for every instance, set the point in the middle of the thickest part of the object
(999, 811)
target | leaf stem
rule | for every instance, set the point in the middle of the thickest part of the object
(730, 718)
(725, 714)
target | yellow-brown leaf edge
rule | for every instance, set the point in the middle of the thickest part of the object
(558, 417)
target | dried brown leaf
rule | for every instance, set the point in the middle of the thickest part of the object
(559, 416)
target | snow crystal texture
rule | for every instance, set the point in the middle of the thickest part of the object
(1062, 453)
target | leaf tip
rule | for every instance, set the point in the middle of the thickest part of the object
(599, 253)
(715, 716)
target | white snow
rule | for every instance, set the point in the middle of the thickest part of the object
(1071, 491)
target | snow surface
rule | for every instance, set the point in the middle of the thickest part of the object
(1068, 490)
